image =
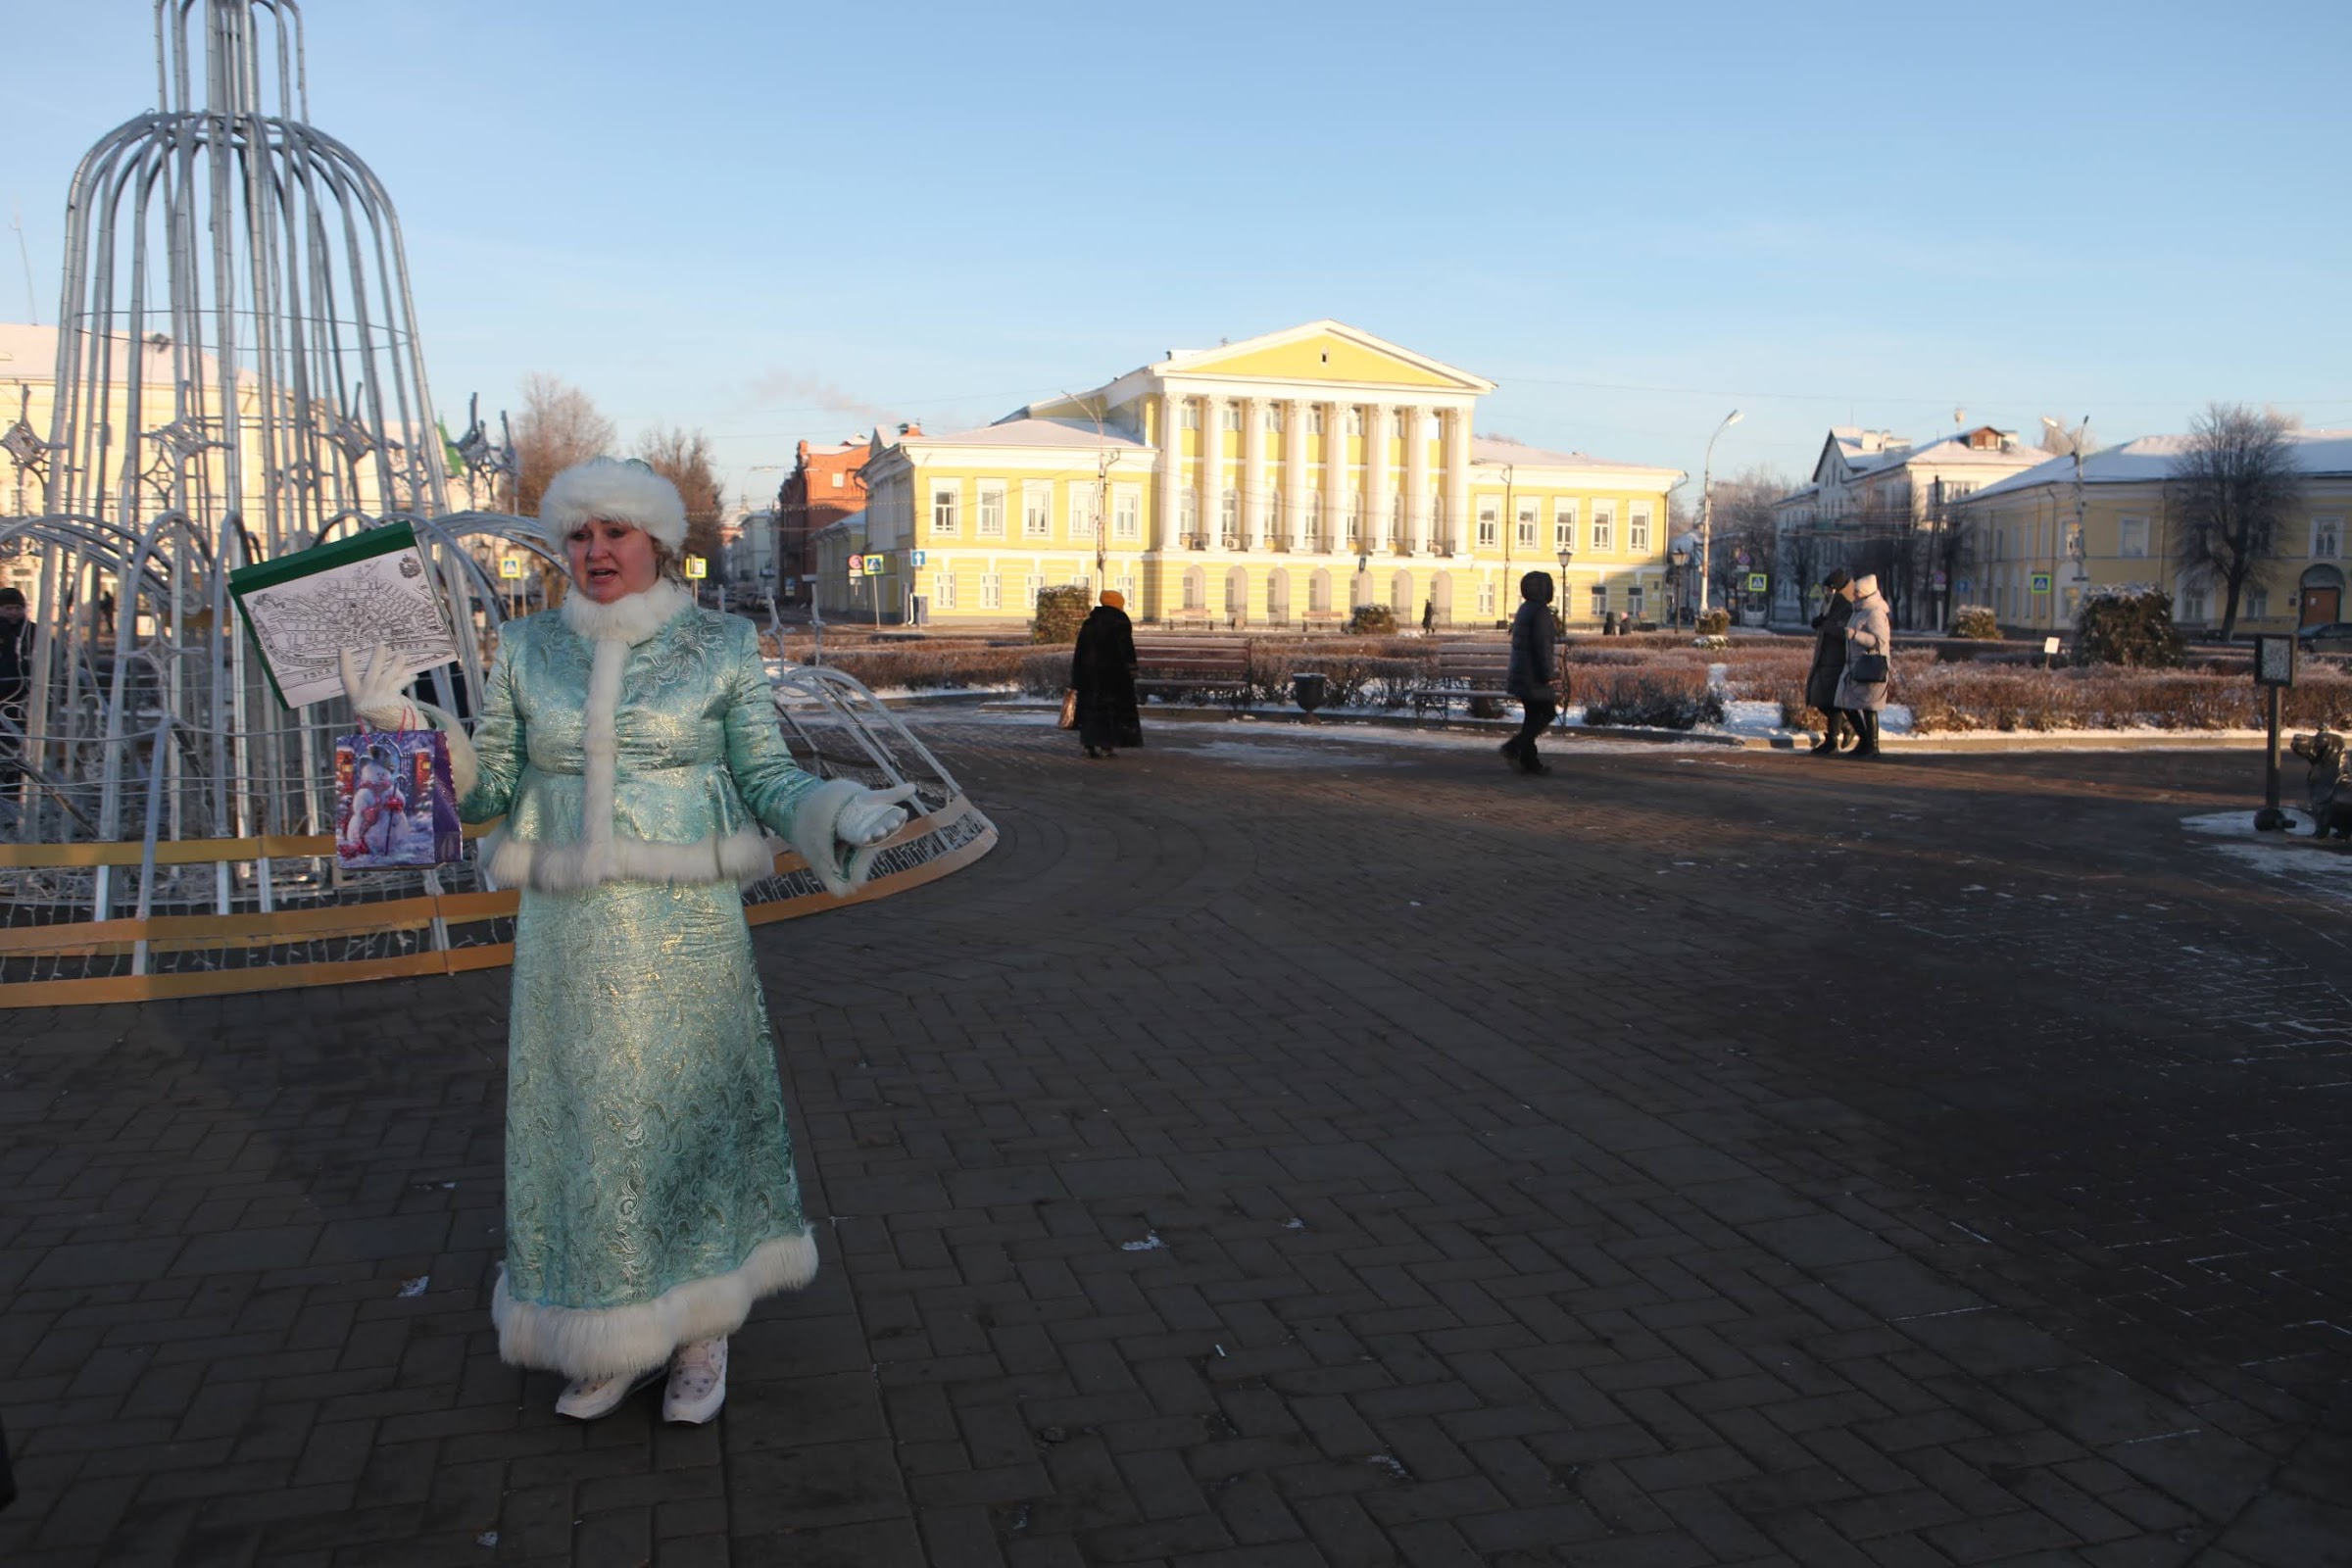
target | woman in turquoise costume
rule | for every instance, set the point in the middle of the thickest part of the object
(629, 741)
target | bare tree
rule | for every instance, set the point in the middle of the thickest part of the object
(559, 426)
(1744, 535)
(2229, 490)
(2064, 441)
(684, 457)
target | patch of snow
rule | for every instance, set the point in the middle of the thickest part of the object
(1149, 1243)
(1749, 715)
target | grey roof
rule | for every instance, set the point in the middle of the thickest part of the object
(1490, 450)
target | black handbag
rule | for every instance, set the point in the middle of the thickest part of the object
(1868, 669)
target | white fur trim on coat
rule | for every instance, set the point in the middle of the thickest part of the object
(743, 857)
(627, 621)
(608, 490)
(610, 1342)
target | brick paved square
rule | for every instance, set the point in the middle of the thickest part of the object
(1354, 1155)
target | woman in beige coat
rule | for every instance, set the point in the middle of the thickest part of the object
(1869, 661)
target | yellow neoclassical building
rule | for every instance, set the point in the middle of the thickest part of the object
(1274, 482)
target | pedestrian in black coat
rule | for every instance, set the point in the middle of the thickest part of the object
(1829, 662)
(1102, 674)
(1535, 665)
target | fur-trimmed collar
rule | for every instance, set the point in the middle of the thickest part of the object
(629, 620)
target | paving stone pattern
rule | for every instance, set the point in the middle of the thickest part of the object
(1285, 1156)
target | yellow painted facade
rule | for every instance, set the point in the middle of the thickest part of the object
(2018, 558)
(1272, 483)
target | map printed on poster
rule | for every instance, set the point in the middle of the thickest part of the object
(306, 610)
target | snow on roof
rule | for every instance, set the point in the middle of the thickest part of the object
(2152, 457)
(1034, 432)
(1498, 450)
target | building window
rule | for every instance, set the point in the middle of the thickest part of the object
(1397, 424)
(1233, 418)
(1438, 538)
(1396, 521)
(836, 479)
(1524, 527)
(1127, 513)
(1563, 523)
(1633, 601)
(1312, 521)
(1190, 417)
(942, 508)
(943, 589)
(1124, 582)
(1029, 589)
(1486, 596)
(992, 511)
(1604, 530)
(1274, 418)
(1270, 520)
(2131, 536)
(1355, 519)
(1636, 533)
(992, 590)
(1037, 511)
(2327, 538)
(1600, 599)
(1082, 512)
(1314, 419)
(2257, 604)
(1195, 590)
(2192, 602)
(1187, 515)
(1229, 520)
(1490, 521)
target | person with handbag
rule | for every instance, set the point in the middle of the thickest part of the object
(1869, 661)
(1829, 662)
(629, 740)
(1100, 706)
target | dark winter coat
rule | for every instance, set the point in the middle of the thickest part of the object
(1828, 653)
(1102, 674)
(1535, 657)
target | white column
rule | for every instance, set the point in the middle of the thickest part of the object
(1296, 481)
(1335, 476)
(1458, 478)
(1211, 475)
(1171, 467)
(1376, 475)
(1416, 480)
(1253, 479)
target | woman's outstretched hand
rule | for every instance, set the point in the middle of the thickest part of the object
(376, 697)
(874, 818)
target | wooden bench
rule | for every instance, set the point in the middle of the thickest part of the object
(1467, 671)
(1201, 667)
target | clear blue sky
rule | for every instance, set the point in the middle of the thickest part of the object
(782, 220)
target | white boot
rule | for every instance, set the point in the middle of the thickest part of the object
(698, 1382)
(586, 1398)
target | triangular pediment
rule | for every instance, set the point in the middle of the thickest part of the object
(1324, 351)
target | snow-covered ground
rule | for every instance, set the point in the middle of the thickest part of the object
(2317, 865)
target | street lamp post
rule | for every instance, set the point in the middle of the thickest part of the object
(1567, 554)
(1677, 564)
(1706, 511)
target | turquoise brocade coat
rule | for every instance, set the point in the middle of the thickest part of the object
(650, 1196)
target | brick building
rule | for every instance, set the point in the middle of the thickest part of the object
(825, 485)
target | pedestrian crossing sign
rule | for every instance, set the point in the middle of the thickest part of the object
(1757, 581)
(2042, 582)
(697, 567)
(510, 566)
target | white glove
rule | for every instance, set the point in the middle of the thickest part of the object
(376, 697)
(874, 817)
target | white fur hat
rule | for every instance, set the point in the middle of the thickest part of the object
(612, 490)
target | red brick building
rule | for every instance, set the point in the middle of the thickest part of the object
(823, 487)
